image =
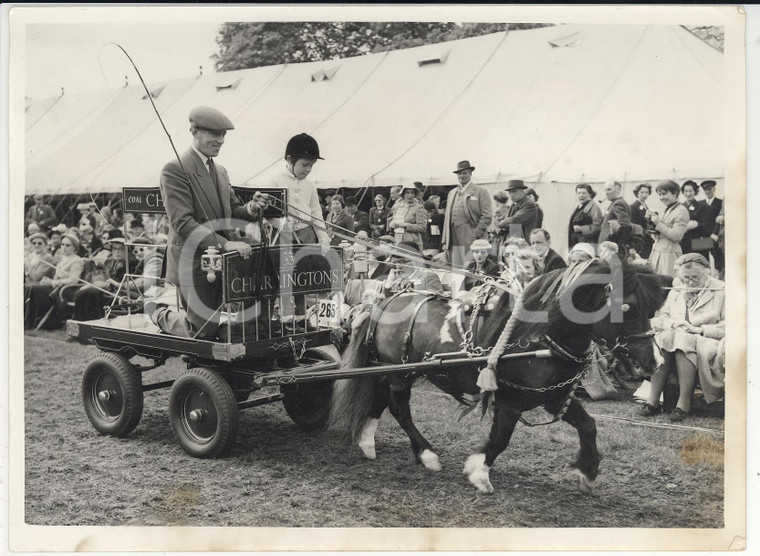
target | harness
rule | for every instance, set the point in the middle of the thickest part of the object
(377, 310)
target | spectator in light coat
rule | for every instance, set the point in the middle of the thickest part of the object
(408, 219)
(670, 228)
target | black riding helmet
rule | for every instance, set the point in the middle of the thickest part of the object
(303, 146)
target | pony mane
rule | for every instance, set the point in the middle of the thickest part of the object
(648, 291)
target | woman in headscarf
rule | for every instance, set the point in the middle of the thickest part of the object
(690, 328)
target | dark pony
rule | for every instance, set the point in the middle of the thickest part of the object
(555, 312)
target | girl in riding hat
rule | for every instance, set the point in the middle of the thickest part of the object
(301, 153)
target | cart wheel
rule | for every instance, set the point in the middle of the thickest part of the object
(308, 404)
(112, 394)
(203, 412)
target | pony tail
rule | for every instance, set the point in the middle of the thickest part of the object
(352, 397)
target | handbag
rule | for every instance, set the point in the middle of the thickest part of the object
(702, 244)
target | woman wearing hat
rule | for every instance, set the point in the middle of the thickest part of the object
(408, 218)
(411, 272)
(39, 300)
(378, 217)
(690, 328)
(580, 252)
(482, 263)
(38, 262)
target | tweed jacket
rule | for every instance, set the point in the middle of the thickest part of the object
(192, 210)
(618, 211)
(477, 208)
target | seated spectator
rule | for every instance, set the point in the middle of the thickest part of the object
(550, 259)
(89, 244)
(580, 252)
(86, 215)
(31, 229)
(361, 218)
(378, 217)
(38, 263)
(531, 194)
(136, 228)
(378, 260)
(690, 328)
(54, 244)
(482, 263)
(607, 250)
(41, 297)
(104, 281)
(150, 262)
(410, 273)
(507, 251)
(338, 220)
(527, 266)
(431, 239)
(408, 219)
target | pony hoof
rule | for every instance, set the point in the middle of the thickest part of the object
(477, 473)
(585, 485)
(430, 460)
(368, 451)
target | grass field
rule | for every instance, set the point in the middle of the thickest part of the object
(278, 475)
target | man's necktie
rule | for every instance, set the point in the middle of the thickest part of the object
(212, 171)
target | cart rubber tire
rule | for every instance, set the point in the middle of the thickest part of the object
(203, 412)
(308, 404)
(112, 394)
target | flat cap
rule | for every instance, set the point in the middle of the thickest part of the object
(205, 117)
(708, 183)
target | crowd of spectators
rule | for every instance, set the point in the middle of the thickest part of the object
(75, 271)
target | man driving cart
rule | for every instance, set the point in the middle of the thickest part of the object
(203, 212)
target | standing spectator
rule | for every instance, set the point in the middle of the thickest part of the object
(338, 219)
(361, 218)
(639, 218)
(40, 213)
(670, 229)
(522, 215)
(694, 229)
(616, 225)
(713, 207)
(468, 214)
(395, 196)
(436, 200)
(531, 194)
(378, 217)
(548, 257)
(482, 263)
(408, 219)
(496, 234)
(719, 237)
(431, 239)
(586, 220)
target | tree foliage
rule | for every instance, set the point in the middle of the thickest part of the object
(248, 45)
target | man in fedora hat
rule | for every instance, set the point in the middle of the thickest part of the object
(200, 203)
(468, 214)
(522, 214)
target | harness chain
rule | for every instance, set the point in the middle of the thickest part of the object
(467, 344)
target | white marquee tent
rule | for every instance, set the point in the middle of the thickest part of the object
(553, 106)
